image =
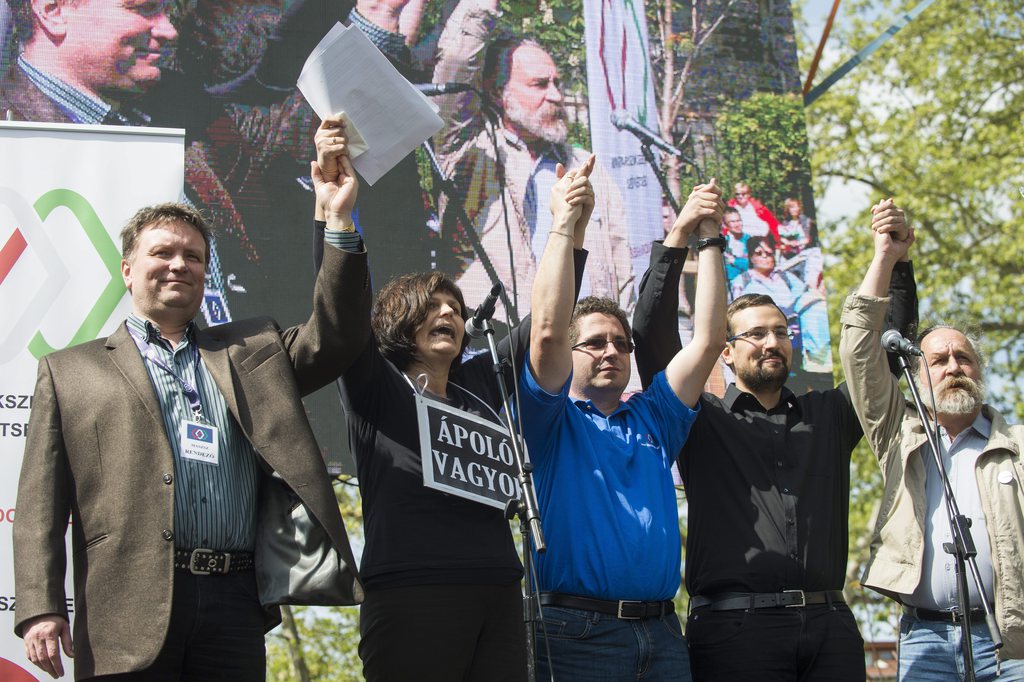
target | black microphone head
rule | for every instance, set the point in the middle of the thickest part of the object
(475, 326)
(486, 309)
(475, 329)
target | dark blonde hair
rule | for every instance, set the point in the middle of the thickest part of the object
(402, 306)
(163, 214)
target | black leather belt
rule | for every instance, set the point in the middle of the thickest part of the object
(734, 601)
(624, 609)
(211, 562)
(976, 615)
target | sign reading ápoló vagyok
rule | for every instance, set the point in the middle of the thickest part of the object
(466, 455)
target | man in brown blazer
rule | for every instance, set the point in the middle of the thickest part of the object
(157, 440)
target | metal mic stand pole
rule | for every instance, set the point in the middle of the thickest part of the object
(645, 148)
(526, 508)
(962, 548)
(455, 201)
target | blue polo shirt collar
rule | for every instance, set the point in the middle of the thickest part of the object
(589, 407)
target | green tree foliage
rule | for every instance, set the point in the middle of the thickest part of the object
(327, 646)
(934, 120)
(763, 141)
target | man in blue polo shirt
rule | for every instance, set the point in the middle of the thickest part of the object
(603, 466)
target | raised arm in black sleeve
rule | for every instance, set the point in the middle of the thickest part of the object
(902, 313)
(656, 317)
(519, 339)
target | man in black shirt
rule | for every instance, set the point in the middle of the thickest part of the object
(767, 476)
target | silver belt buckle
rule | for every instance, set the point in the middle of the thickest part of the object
(619, 614)
(200, 565)
(803, 598)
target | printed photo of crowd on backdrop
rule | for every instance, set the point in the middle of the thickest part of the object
(521, 87)
(780, 257)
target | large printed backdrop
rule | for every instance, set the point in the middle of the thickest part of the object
(736, 118)
(724, 91)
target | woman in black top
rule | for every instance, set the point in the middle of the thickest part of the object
(442, 575)
(441, 572)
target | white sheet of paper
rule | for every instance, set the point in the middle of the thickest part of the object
(346, 72)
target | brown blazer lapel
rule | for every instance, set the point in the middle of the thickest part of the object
(126, 357)
(213, 350)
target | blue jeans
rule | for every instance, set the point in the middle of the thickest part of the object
(589, 646)
(930, 650)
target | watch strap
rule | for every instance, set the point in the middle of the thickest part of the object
(711, 241)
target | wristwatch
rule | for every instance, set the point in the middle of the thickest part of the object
(711, 241)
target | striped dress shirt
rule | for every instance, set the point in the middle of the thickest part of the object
(214, 504)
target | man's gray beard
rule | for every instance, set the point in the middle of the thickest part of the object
(532, 122)
(966, 399)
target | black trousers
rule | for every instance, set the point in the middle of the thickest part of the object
(811, 643)
(215, 633)
(443, 633)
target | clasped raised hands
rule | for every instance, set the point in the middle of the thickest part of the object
(572, 198)
(334, 179)
(703, 209)
(893, 236)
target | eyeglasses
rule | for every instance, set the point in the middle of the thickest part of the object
(598, 344)
(759, 336)
(763, 253)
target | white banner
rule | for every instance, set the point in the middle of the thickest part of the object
(65, 192)
(619, 79)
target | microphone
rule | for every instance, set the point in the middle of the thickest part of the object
(475, 327)
(894, 342)
(623, 120)
(435, 89)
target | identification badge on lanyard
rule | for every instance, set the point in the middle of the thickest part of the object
(199, 442)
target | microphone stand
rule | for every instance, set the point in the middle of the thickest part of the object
(645, 149)
(526, 508)
(962, 548)
(457, 203)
